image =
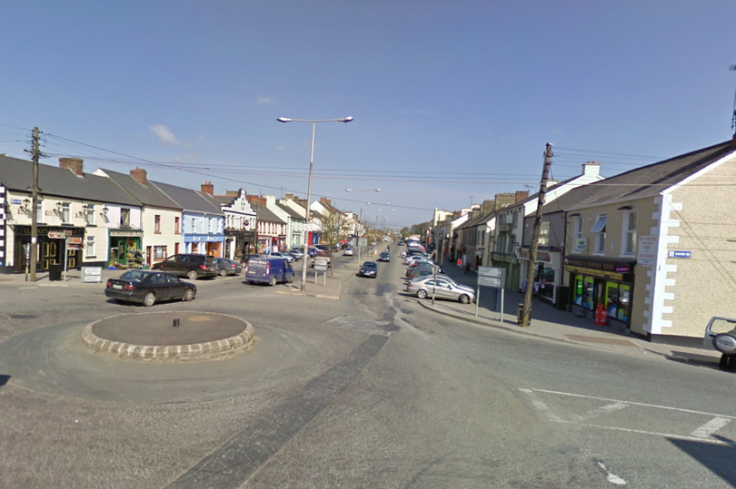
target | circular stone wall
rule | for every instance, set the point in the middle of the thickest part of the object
(153, 336)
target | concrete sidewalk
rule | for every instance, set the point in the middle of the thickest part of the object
(551, 323)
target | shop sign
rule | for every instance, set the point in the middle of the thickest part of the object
(126, 234)
(618, 277)
(581, 244)
(647, 251)
(679, 254)
(541, 255)
(204, 238)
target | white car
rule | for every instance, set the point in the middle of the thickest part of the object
(348, 252)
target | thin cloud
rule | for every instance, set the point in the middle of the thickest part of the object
(165, 135)
(280, 147)
(265, 100)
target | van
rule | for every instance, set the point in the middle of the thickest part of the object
(269, 271)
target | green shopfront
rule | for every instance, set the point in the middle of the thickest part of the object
(602, 281)
(125, 248)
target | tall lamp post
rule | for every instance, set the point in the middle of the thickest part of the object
(360, 219)
(309, 186)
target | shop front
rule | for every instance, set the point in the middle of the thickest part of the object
(599, 282)
(50, 250)
(206, 244)
(125, 248)
(547, 276)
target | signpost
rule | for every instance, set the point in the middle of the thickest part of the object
(91, 275)
(320, 265)
(490, 277)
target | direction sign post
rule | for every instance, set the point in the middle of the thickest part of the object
(490, 277)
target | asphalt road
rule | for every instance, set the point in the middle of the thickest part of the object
(369, 391)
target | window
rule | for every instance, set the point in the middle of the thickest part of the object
(89, 214)
(514, 219)
(176, 225)
(66, 212)
(159, 252)
(39, 212)
(211, 226)
(578, 228)
(90, 251)
(630, 221)
(544, 234)
(157, 224)
(599, 228)
(124, 217)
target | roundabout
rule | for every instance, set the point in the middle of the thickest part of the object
(169, 336)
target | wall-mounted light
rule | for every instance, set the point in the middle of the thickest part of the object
(104, 212)
(59, 205)
(26, 204)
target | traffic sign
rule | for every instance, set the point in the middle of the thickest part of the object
(490, 272)
(491, 281)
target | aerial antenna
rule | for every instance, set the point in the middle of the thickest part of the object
(733, 117)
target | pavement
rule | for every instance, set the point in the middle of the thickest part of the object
(553, 324)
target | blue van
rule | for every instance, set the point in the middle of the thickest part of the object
(269, 271)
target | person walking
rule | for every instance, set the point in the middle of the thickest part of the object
(467, 268)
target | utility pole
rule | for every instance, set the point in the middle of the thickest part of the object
(35, 154)
(526, 315)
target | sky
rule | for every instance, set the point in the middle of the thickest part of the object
(453, 101)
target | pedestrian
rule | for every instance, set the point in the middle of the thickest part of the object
(388, 248)
(467, 268)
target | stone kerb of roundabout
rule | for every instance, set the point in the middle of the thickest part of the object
(169, 336)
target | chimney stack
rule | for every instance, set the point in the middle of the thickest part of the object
(76, 165)
(140, 175)
(208, 188)
(521, 195)
(591, 169)
(289, 196)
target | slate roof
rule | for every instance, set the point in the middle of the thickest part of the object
(650, 180)
(145, 194)
(224, 199)
(263, 214)
(188, 199)
(17, 174)
(294, 214)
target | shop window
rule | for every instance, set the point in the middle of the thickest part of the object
(157, 224)
(630, 222)
(618, 301)
(599, 229)
(90, 248)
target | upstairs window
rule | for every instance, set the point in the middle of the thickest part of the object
(157, 224)
(599, 229)
(176, 225)
(66, 212)
(124, 218)
(630, 223)
(89, 214)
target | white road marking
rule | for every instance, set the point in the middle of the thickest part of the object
(612, 478)
(716, 415)
(542, 407)
(616, 406)
(710, 427)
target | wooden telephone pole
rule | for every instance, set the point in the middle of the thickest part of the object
(526, 316)
(35, 154)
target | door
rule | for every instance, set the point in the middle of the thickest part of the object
(176, 289)
(176, 248)
(149, 256)
(160, 286)
(443, 290)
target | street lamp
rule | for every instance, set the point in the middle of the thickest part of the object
(360, 219)
(309, 185)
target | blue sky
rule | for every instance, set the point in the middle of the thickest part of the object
(450, 99)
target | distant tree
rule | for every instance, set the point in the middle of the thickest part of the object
(404, 233)
(334, 228)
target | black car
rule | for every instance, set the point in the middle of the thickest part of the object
(227, 267)
(385, 256)
(149, 287)
(192, 266)
(368, 269)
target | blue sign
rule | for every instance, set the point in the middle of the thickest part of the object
(679, 254)
(200, 238)
(15, 201)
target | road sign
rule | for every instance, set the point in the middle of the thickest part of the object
(491, 281)
(320, 264)
(490, 272)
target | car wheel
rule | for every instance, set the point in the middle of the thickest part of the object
(272, 281)
(422, 294)
(464, 299)
(223, 273)
(149, 299)
(189, 295)
(192, 275)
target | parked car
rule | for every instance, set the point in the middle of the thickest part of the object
(385, 256)
(269, 270)
(192, 266)
(348, 251)
(422, 272)
(244, 259)
(296, 253)
(368, 269)
(291, 253)
(412, 260)
(227, 267)
(285, 256)
(430, 266)
(401, 242)
(443, 288)
(149, 287)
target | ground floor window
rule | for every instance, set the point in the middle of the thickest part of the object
(90, 251)
(618, 301)
(159, 252)
(583, 291)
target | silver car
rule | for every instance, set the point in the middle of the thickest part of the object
(442, 287)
